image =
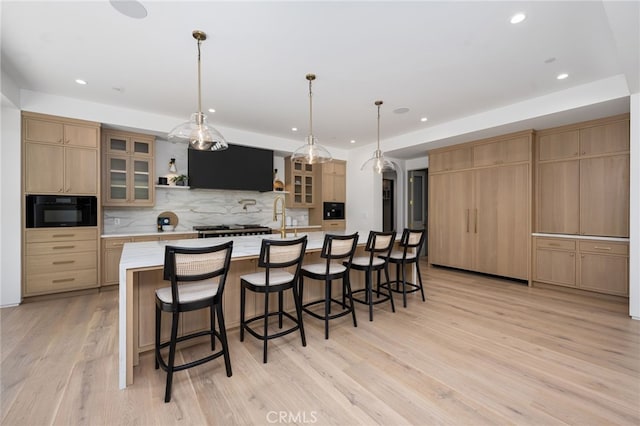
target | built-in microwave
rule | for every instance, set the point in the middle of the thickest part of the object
(51, 211)
(333, 211)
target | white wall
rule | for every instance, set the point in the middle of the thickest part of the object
(634, 211)
(10, 199)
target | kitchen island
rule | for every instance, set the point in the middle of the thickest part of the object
(141, 267)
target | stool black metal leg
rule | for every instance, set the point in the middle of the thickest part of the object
(242, 325)
(420, 281)
(386, 275)
(404, 284)
(327, 307)
(172, 356)
(266, 325)
(158, 325)
(369, 286)
(212, 317)
(347, 285)
(280, 309)
(223, 340)
(298, 303)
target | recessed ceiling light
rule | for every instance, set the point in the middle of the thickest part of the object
(423, 119)
(294, 129)
(517, 18)
(353, 141)
(562, 76)
(130, 8)
(402, 110)
(80, 81)
(212, 110)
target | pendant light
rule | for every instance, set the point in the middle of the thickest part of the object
(311, 152)
(196, 131)
(378, 162)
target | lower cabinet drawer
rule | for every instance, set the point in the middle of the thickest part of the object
(604, 247)
(62, 262)
(61, 247)
(44, 283)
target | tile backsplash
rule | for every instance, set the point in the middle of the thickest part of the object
(200, 207)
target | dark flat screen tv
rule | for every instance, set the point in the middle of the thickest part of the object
(238, 167)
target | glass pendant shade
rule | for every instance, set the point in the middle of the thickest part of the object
(197, 132)
(378, 163)
(311, 152)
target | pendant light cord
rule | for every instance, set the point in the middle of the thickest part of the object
(378, 127)
(310, 113)
(199, 85)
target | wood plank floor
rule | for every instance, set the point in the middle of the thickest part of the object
(479, 351)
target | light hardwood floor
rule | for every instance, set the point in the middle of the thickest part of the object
(479, 351)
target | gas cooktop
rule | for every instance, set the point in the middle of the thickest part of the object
(225, 227)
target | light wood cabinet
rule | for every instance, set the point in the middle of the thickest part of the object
(112, 250)
(588, 194)
(593, 265)
(451, 159)
(451, 223)
(558, 197)
(128, 169)
(333, 225)
(60, 155)
(334, 181)
(502, 152)
(60, 259)
(604, 196)
(480, 217)
(300, 183)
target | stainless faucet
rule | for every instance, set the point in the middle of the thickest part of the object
(283, 230)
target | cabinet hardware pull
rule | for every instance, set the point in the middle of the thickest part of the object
(63, 247)
(571, 254)
(554, 244)
(64, 280)
(475, 221)
(63, 235)
(467, 220)
(601, 248)
(63, 262)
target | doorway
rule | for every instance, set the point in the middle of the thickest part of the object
(388, 205)
(418, 206)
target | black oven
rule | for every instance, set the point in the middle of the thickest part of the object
(50, 211)
(333, 211)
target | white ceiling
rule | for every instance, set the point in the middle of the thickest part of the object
(442, 60)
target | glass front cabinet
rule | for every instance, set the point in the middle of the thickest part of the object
(128, 169)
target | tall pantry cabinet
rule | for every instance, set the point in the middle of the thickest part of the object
(60, 156)
(582, 206)
(480, 205)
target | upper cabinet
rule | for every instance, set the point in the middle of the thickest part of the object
(583, 178)
(60, 155)
(450, 159)
(128, 169)
(301, 182)
(334, 183)
(502, 152)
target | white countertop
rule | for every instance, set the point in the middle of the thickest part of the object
(151, 253)
(191, 231)
(580, 237)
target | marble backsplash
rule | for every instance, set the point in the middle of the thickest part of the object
(200, 207)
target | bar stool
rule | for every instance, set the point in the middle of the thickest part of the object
(191, 272)
(378, 244)
(411, 245)
(335, 248)
(274, 255)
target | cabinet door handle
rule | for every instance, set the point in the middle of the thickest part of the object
(571, 255)
(601, 248)
(63, 262)
(63, 280)
(475, 221)
(63, 247)
(467, 220)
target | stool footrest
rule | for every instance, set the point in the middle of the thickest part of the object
(398, 286)
(271, 336)
(346, 310)
(381, 297)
